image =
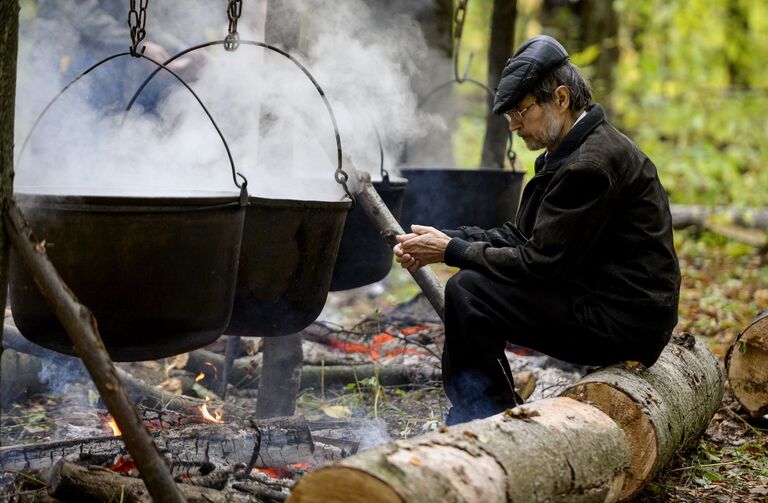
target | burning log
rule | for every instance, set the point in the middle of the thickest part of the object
(747, 365)
(662, 408)
(552, 450)
(275, 442)
(280, 376)
(96, 484)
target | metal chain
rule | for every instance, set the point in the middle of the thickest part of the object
(137, 20)
(234, 10)
(459, 17)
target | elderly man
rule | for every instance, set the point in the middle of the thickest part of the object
(587, 273)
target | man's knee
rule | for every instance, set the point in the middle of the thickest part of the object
(464, 281)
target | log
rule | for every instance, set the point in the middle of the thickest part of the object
(662, 408)
(556, 449)
(747, 366)
(688, 215)
(280, 376)
(274, 442)
(70, 482)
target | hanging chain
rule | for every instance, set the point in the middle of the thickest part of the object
(234, 10)
(137, 20)
(459, 17)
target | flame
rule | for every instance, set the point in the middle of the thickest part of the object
(200, 377)
(382, 338)
(379, 340)
(207, 415)
(113, 425)
(215, 370)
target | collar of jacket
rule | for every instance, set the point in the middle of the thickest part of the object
(575, 137)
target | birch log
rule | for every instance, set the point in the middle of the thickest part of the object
(747, 364)
(552, 450)
(661, 408)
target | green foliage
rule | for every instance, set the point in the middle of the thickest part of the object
(690, 91)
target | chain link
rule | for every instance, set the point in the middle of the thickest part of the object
(234, 10)
(459, 17)
(137, 20)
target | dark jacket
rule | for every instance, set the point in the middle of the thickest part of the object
(595, 219)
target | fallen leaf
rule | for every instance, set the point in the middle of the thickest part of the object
(337, 411)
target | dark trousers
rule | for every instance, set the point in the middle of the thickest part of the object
(482, 314)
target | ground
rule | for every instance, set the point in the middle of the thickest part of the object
(725, 284)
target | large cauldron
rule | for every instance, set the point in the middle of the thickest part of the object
(286, 260)
(364, 255)
(157, 272)
(448, 198)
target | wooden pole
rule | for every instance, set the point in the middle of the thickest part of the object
(83, 332)
(368, 199)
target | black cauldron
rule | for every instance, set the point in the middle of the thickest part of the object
(158, 272)
(449, 198)
(365, 257)
(286, 259)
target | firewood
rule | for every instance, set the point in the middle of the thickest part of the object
(70, 482)
(662, 408)
(747, 365)
(685, 215)
(554, 450)
(280, 376)
(276, 442)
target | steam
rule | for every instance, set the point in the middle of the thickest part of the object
(278, 130)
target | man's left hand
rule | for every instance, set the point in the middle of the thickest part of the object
(424, 245)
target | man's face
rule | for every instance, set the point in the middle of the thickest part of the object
(539, 126)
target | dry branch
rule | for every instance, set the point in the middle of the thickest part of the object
(747, 364)
(552, 450)
(687, 215)
(81, 328)
(662, 408)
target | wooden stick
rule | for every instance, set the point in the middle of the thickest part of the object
(83, 332)
(367, 197)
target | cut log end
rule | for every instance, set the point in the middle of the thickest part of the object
(747, 364)
(630, 417)
(342, 485)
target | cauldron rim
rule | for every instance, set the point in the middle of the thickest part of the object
(184, 200)
(445, 169)
(269, 202)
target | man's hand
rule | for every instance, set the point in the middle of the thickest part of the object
(425, 245)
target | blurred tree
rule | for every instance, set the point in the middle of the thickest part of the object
(500, 49)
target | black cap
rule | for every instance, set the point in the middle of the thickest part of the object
(533, 60)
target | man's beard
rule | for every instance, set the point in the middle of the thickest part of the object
(550, 136)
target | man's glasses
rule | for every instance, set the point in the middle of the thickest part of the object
(517, 115)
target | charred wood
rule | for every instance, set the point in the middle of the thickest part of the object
(276, 442)
(747, 365)
(280, 376)
(70, 482)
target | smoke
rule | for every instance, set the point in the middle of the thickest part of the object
(276, 125)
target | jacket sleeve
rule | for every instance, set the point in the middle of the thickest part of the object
(506, 235)
(569, 221)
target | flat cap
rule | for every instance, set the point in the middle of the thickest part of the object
(533, 60)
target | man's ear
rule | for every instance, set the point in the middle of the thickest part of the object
(562, 98)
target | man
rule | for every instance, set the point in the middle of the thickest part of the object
(587, 273)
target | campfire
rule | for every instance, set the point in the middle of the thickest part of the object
(219, 446)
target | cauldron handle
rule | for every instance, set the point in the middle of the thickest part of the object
(160, 66)
(511, 155)
(340, 175)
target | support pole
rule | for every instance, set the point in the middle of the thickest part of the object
(367, 197)
(83, 332)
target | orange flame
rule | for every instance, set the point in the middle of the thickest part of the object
(113, 425)
(207, 415)
(124, 465)
(200, 377)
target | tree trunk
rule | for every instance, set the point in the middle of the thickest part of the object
(747, 364)
(500, 49)
(552, 450)
(662, 408)
(9, 44)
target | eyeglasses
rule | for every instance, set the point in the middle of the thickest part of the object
(517, 115)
